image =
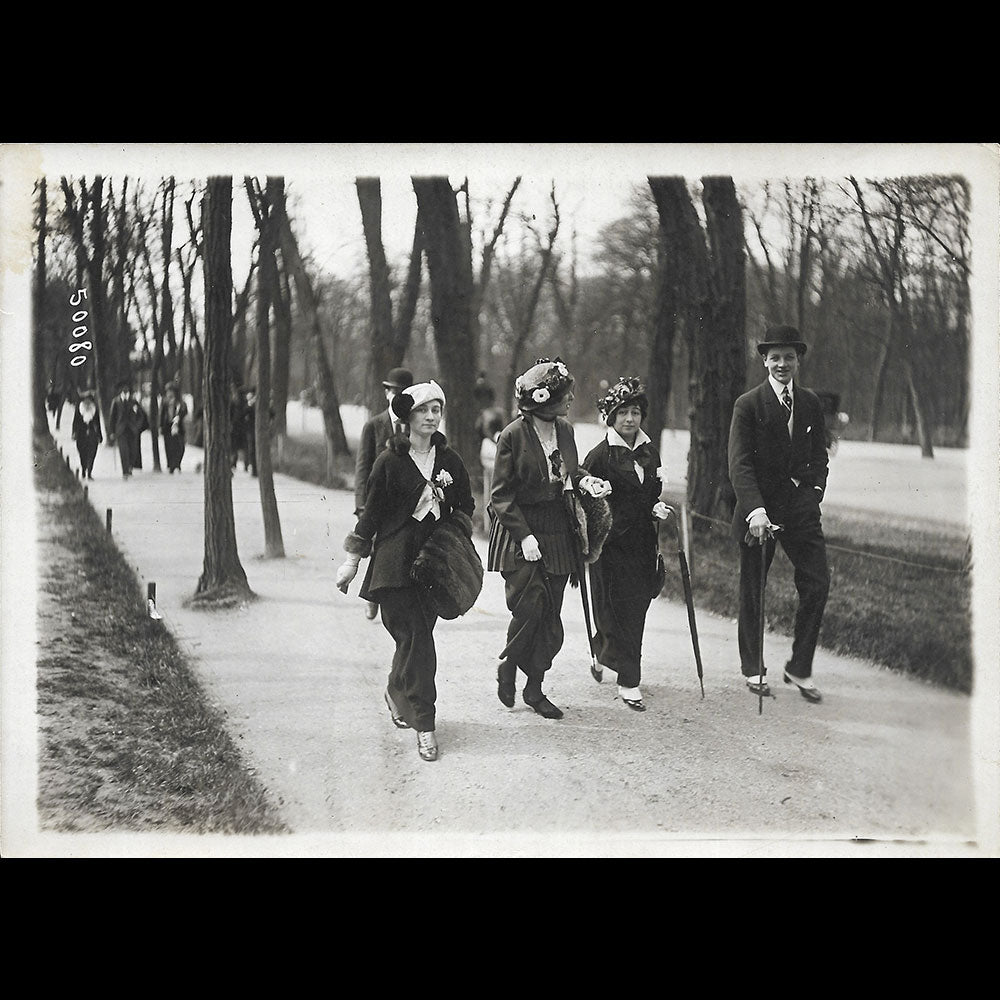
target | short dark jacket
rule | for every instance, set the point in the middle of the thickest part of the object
(631, 502)
(374, 435)
(521, 471)
(394, 488)
(762, 459)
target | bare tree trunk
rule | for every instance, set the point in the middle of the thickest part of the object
(450, 268)
(336, 440)
(40, 420)
(383, 354)
(719, 358)
(282, 342)
(274, 546)
(223, 578)
(671, 197)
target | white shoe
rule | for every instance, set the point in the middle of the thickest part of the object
(632, 698)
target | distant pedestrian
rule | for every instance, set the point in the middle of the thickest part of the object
(237, 426)
(173, 418)
(624, 579)
(126, 422)
(250, 430)
(533, 543)
(54, 400)
(492, 422)
(374, 435)
(778, 465)
(87, 432)
(417, 481)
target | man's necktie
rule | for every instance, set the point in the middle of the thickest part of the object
(786, 400)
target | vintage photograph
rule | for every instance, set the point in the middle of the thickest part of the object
(499, 500)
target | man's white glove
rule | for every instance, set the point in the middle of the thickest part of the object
(759, 525)
(661, 511)
(347, 572)
(530, 549)
(595, 487)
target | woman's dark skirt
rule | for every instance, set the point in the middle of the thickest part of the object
(622, 582)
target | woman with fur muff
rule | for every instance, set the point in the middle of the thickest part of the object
(416, 481)
(87, 432)
(624, 578)
(533, 539)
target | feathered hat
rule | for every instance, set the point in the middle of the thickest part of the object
(628, 389)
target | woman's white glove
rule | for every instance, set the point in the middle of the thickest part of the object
(595, 487)
(347, 572)
(530, 549)
(661, 511)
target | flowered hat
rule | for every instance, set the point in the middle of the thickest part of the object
(628, 389)
(546, 381)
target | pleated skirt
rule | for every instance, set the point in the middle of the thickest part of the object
(550, 523)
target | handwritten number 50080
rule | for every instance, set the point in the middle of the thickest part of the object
(79, 331)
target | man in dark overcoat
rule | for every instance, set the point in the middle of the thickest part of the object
(374, 435)
(126, 422)
(778, 466)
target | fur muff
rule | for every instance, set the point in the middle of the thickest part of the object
(355, 545)
(449, 568)
(597, 512)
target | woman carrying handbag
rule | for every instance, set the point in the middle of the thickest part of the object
(629, 573)
(416, 484)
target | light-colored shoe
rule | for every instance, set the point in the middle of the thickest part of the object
(427, 746)
(757, 684)
(632, 698)
(807, 689)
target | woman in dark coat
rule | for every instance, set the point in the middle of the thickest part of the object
(533, 539)
(624, 577)
(87, 433)
(173, 416)
(416, 481)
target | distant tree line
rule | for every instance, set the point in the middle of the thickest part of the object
(874, 272)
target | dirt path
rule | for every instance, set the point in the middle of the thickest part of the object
(885, 764)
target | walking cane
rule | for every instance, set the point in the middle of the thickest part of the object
(762, 542)
(581, 571)
(688, 597)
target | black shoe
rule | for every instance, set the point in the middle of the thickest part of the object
(543, 707)
(635, 704)
(505, 688)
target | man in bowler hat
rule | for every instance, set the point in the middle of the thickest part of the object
(374, 435)
(778, 466)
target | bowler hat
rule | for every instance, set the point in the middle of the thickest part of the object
(781, 336)
(398, 378)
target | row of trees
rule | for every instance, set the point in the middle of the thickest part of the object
(874, 273)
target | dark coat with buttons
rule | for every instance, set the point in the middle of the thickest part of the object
(386, 528)
(763, 460)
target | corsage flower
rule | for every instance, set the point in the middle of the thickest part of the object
(444, 478)
(540, 395)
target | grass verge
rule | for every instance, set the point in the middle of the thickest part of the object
(128, 740)
(885, 604)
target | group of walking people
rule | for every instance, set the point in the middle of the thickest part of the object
(550, 516)
(127, 421)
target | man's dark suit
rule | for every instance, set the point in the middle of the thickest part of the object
(374, 435)
(763, 461)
